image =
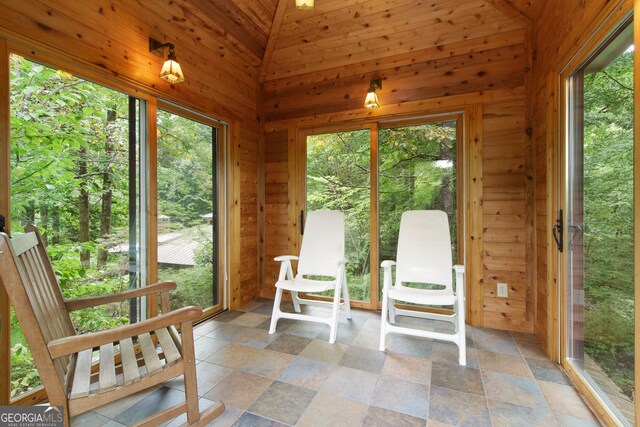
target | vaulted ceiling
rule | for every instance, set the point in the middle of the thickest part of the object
(280, 41)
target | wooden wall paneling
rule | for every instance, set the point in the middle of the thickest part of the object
(5, 198)
(505, 241)
(234, 194)
(276, 212)
(296, 187)
(474, 234)
(530, 169)
(261, 171)
(548, 310)
(248, 154)
(399, 110)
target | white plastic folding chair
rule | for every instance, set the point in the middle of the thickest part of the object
(321, 267)
(424, 257)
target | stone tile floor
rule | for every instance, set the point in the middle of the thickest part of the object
(295, 377)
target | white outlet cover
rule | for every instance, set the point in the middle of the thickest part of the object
(503, 290)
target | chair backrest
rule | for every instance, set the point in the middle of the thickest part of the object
(424, 249)
(34, 293)
(322, 244)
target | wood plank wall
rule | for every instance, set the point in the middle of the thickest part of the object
(111, 38)
(489, 70)
(564, 26)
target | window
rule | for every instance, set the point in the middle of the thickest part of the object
(599, 231)
(76, 162)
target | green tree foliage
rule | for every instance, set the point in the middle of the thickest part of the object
(70, 177)
(608, 219)
(417, 171)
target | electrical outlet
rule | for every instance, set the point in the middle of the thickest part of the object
(503, 290)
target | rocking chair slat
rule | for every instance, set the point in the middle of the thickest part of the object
(129, 362)
(82, 376)
(107, 368)
(169, 348)
(151, 359)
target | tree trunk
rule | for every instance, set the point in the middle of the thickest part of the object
(83, 208)
(107, 191)
(55, 226)
(44, 223)
(30, 214)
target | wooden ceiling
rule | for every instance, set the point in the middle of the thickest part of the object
(282, 42)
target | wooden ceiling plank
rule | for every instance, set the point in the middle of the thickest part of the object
(512, 11)
(191, 20)
(126, 12)
(379, 17)
(467, 47)
(236, 31)
(339, 53)
(273, 37)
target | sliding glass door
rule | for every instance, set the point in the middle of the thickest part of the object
(599, 225)
(188, 209)
(375, 174)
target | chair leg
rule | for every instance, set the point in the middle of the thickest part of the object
(334, 315)
(275, 314)
(383, 320)
(190, 381)
(296, 301)
(392, 311)
(462, 336)
(345, 296)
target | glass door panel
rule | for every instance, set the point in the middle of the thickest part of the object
(338, 178)
(188, 209)
(417, 170)
(599, 230)
(75, 174)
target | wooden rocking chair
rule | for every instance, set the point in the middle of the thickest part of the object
(64, 359)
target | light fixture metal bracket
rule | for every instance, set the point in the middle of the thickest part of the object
(157, 48)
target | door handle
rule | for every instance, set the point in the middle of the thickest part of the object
(302, 222)
(558, 235)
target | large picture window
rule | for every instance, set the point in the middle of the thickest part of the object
(76, 165)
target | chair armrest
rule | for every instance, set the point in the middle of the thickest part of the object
(80, 303)
(74, 344)
(387, 264)
(458, 268)
(285, 258)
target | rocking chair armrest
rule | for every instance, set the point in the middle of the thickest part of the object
(285, 258)
(74, 344)
(156, 288)
(387, 264)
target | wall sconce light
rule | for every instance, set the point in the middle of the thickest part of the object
(305, 4)
(171, 70)
(371, 101)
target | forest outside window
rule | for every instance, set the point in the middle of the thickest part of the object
(76, 165)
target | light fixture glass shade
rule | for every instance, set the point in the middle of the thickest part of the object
(171, 72)
(305, 4)
(371, 101)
